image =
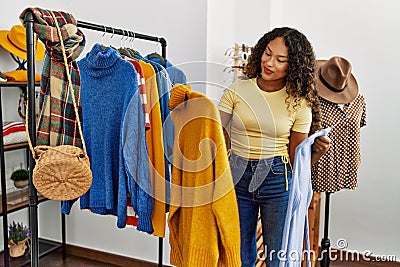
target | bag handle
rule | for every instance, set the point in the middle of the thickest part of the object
(70, 88)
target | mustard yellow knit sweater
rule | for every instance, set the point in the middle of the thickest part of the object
(154, 139)
(203, 218)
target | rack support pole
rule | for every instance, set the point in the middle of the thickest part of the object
(33, 198)
(326, 243)
(4, 194)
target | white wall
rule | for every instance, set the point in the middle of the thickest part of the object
(367, 33)
(230, 22)
(220, 36)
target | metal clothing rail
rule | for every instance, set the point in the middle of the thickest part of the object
(127, 33)
(33, 198)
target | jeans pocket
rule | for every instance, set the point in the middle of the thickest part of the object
(278, 167)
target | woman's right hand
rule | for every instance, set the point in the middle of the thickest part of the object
(320, 146)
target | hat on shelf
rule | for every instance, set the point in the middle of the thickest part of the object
(14, 41)
(334, 80)
(20, 76)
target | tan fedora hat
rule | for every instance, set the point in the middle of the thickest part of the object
(14, 41)
(334, 80)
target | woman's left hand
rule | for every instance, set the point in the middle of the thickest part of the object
(320, 147)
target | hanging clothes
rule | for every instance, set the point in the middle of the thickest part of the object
(141, 89)
(203, 218)
(113, 129)
(154, 140)
(57, 124)
(295, 230)
(164, 86)
(338, 167)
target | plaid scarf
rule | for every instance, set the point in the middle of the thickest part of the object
(57, 123)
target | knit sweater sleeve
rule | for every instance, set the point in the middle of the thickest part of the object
(136, 163)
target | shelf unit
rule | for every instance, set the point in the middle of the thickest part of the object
(45, 246)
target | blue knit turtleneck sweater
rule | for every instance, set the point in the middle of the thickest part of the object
(113, 119)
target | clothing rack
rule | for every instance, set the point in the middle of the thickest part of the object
(33, 198)
(102, 28)
(325, 242)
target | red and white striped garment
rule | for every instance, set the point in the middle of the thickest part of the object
(131, 216)
(13, 132)
(12, 127)
(142, 89)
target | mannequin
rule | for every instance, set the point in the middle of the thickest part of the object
(344, 110)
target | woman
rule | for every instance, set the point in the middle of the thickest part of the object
(267, 116)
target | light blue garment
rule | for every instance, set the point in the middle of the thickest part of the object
(296, 223)
(175, 74)
(136, 160)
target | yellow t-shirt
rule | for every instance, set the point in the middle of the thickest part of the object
(261, 122)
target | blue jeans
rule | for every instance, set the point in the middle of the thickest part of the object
(261, 187)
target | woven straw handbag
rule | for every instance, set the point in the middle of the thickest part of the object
(61, 172)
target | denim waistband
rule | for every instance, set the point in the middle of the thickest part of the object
(260, 162)
(262, 166)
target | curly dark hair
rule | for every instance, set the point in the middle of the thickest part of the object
(300, 81)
